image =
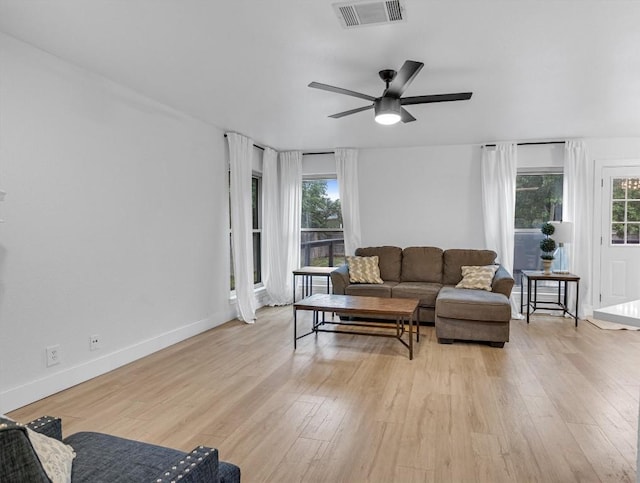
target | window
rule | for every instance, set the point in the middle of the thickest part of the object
(625, 211)
(256, 205)
(322, 239)
(256, 199)
(538, 200)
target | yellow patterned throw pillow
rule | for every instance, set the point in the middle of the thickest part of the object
(364, 270)
(477, 277)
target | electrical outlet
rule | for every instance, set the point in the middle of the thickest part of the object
(53, 355)
(94, 342)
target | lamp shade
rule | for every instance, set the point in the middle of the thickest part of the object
(563, 231)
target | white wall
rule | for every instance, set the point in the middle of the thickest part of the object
(613, 148)
(421, 196)
(116, 224)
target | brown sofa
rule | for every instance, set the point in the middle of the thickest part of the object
(431, 274)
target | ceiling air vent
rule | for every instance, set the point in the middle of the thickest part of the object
(358, 14)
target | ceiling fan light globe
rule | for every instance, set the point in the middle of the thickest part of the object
(387, 118)
(387, 110)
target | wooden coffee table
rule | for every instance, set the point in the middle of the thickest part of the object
(402, 310)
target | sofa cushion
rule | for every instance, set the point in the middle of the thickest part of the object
(455, 258)
(422, 264)
(364, 270)
(455, 303)
(389, 260)
(425, 291)
(477, 277)
(370, 289)
(102, 458)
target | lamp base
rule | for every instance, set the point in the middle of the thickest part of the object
(560, 263)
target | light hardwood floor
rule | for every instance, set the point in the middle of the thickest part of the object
(557, 404)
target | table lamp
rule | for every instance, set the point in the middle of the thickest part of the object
(563, 234)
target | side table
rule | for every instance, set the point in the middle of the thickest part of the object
(307, 274)
(536, 276)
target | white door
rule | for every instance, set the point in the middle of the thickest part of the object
(620, 232)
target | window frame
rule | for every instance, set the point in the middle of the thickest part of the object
(256, 224)
(625, 223)
(318, 177)
(256, 229)
(539, 171)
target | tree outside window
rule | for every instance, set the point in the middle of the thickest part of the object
(538, 200)
(319, 210)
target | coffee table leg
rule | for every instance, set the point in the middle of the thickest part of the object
(411, 337)
(521, 292)
(295, 332)
(528, 298)
(577, 293)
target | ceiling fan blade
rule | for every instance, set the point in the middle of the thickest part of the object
(340, 90)
(403, 78)
(352, 111)
(405, 116)
(461, 96)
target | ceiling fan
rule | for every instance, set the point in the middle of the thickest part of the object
(388, 107)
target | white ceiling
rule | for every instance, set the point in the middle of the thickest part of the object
(538, 69)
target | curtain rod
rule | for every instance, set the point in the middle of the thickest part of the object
(532, 143)
(304, 154)
(254, 145)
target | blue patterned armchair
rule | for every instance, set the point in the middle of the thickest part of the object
(102, 458)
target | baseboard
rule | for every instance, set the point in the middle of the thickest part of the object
(32, 391)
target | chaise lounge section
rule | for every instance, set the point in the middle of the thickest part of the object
(431, 275)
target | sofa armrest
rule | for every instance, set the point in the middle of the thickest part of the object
(340, 279)
(200, 465)
(18, 460)
(502, 282)
(47, 425)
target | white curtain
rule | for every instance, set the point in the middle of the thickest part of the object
(290, 216)
(347, 170)
(240, 160)
(499, 168)
(577, 207)
(274, 276)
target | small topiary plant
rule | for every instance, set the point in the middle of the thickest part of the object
(548, 244)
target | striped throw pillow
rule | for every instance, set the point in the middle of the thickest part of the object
(477, 277)
(364, 270)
